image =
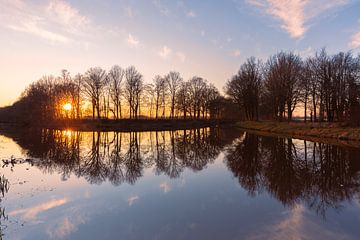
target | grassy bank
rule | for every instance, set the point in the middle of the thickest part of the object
(304, 131)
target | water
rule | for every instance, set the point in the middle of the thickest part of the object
(194, 184)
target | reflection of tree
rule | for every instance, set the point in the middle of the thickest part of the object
(321, 175)
(121, 157)
(4, 188)
(244, 161)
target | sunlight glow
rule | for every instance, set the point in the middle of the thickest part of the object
(67, 106)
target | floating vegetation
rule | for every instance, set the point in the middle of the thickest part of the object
(14, 161)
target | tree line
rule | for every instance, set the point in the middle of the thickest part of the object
(324, 87)
(319, 88)
(119, 93)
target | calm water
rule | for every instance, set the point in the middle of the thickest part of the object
(194, 184)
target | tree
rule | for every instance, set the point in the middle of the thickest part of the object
(173, 80)
(115, 78)
(133, 89)
(244, 88)
(182, 99)
(94, 84)
(282, 78)
(196, 87)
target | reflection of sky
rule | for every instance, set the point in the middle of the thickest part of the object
(207, 204)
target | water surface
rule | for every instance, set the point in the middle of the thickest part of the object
(206, 183)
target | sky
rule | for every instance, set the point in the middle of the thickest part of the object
(206, 38)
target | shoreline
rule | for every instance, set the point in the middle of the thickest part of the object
(123, 125)
(325, 132)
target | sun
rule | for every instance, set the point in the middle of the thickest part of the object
(67, 106)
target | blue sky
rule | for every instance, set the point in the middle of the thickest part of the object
(205, 38)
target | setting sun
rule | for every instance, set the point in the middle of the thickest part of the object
(67, 106)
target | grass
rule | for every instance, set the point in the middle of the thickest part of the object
(302, 130)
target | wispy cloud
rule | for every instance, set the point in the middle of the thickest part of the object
(295, 15)
(164, 10)
(356, 40)
(132, 40)
(65, 14)
(129, 12)
(181, 56)
(191, 14)
(165, 52)
(56, 20)
(34, 27)
(236, 53)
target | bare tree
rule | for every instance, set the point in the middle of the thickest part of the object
(133, 89)
(173, 80)
(196, 87)
(115, 78)
(94, 84)
(282, 78)
(244, 88)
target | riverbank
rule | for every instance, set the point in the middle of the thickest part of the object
(126, 125)
(307, 131)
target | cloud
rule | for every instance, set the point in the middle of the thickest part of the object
(236, 53)
(56, 21)
(295, 15)
(165, 52)
(132, 41)
(181, 56)
(356, 40)
(66, 15)
(191, 14)
(161, 7)
(33, 27)
(129, 12)
(132, 200)
(165, 187)
(31, 213)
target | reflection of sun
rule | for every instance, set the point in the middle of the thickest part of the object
(68, 132)
(67, 106)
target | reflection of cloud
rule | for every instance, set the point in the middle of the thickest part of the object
(296, 225)
(65, 227)
(31, 213)
(132, 200)
(165, 187)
